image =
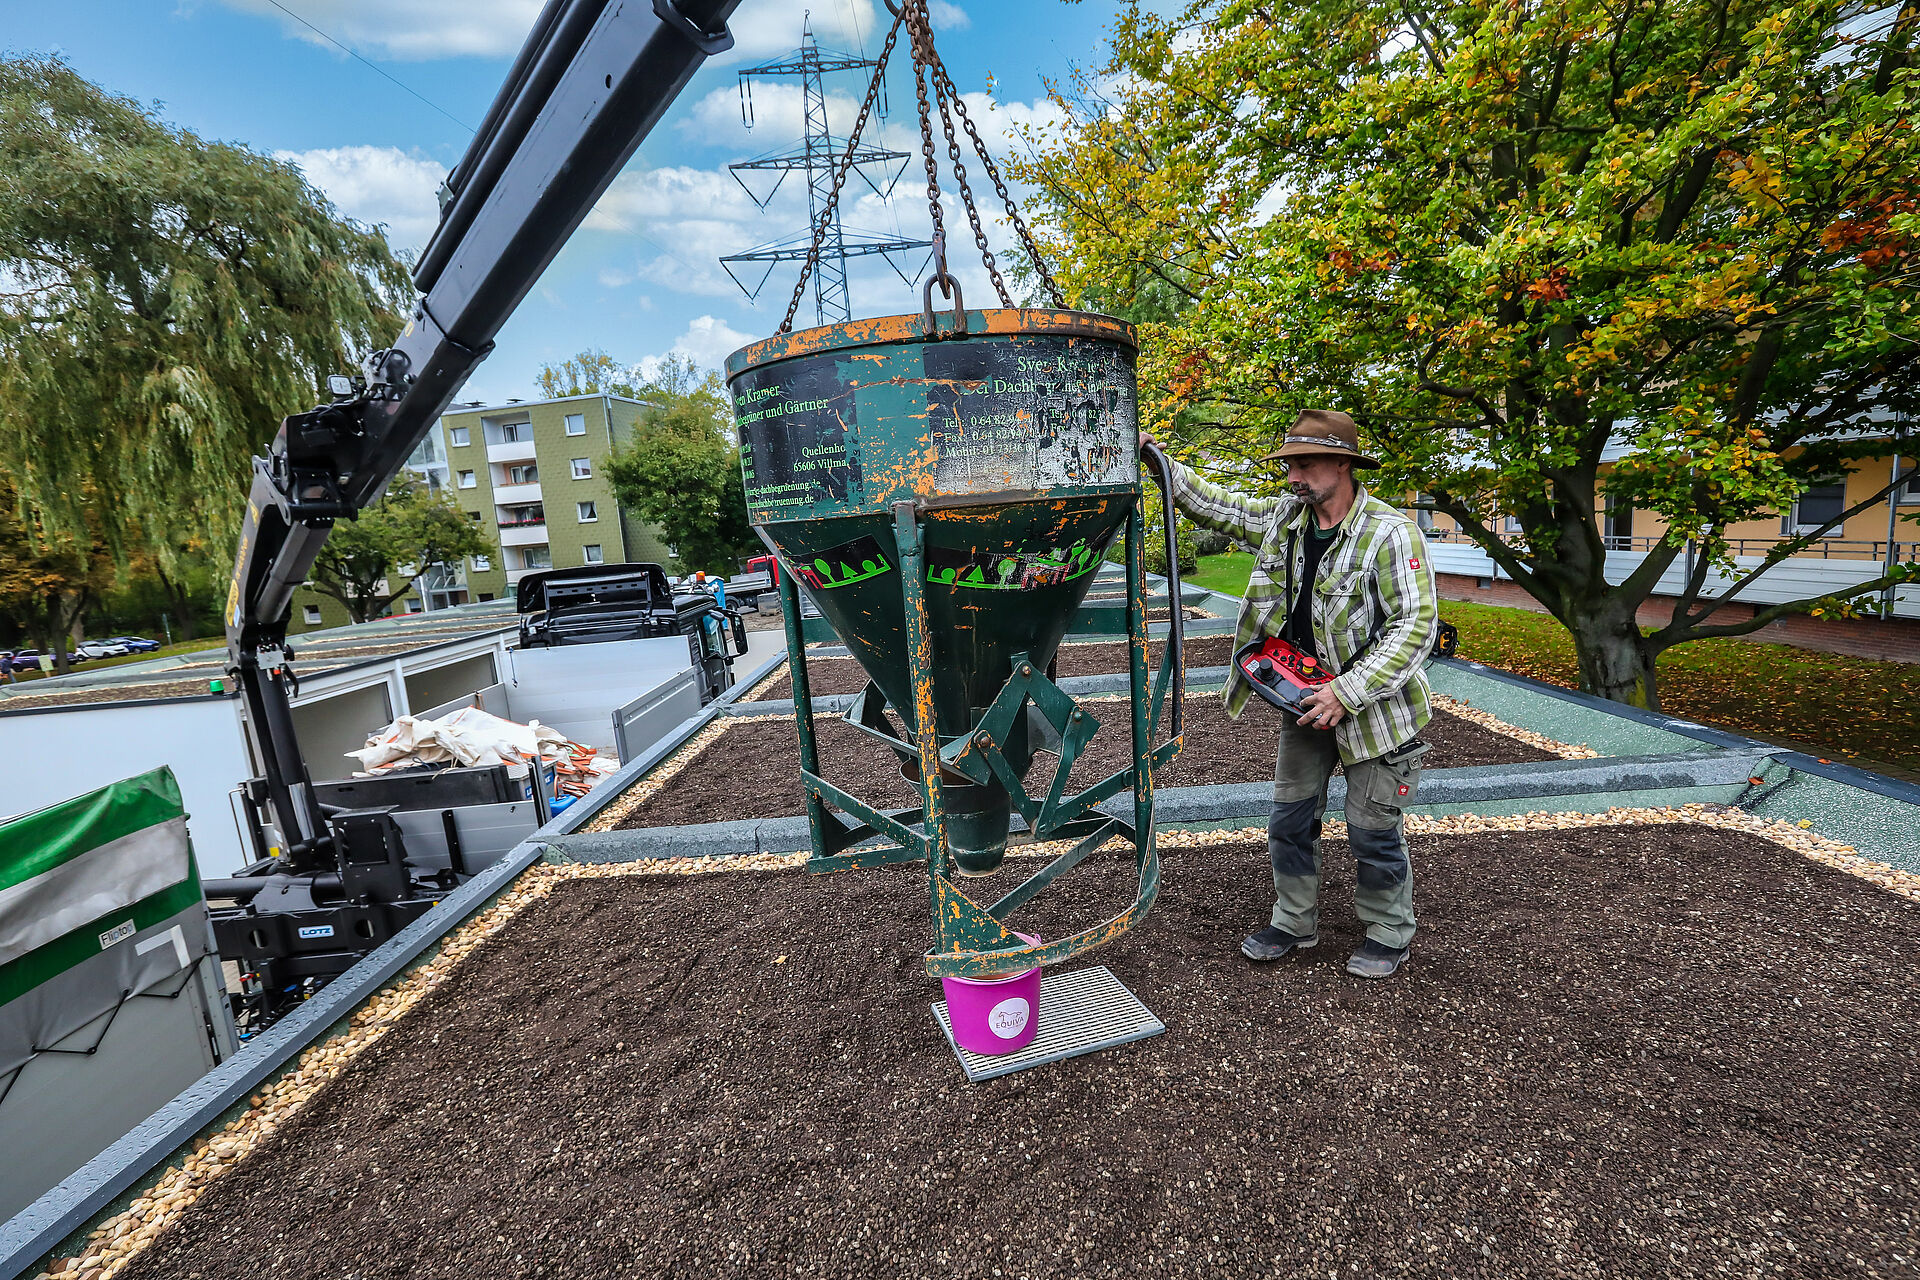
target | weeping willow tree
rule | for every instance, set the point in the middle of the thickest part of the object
(164, 302)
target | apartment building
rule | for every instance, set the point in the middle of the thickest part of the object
(1857, 550)
(533, 472)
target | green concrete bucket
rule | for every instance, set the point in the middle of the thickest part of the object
(946, 491)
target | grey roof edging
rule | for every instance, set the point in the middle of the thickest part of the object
(1801, 761)
(1475, 784)
(36, 1231)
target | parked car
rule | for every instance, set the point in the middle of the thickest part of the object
(103, 649)
(137, 644)
(29, 660)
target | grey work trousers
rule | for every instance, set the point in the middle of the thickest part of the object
(1377, 791)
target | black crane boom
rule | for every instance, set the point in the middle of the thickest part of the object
(592, 81)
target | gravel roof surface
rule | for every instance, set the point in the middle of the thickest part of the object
(1617, 1051)
(752, 770)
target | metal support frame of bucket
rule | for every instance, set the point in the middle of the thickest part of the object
(945, 494)
(971, 940)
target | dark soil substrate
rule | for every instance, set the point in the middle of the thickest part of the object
(753, 769)
(844, 675)
(1643, 1051)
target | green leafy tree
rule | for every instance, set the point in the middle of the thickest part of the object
(593, 372)
(1513, 240)
(164, 302)
(681, 471)
(47, 582)
(369, 563)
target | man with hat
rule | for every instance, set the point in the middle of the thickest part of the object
(1345, 577)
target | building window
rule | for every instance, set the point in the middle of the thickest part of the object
(528, 473)
(312, 614)
(588, 513)
(1909, 492)
(576, 424)
(1821, 503)
(1619, 525)
(485, 596)
(591, 553)
(582, 468)
(516, 432)
(467, 481)
(458, 435)
(481, 564)
(536, 558)
(520, 517)
(414, 605)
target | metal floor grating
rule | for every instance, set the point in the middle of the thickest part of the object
(1080, 1012)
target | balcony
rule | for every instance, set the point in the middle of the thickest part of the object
(507, 495)
(519, 451)
(525, 533)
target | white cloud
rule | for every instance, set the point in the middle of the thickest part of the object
(707, 342)
(764, 29)
(676, 222)
(778, 115)
(410, 29)
(947, 16)
(384, 186)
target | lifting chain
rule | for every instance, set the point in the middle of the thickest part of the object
(928, 69)
(953, 105)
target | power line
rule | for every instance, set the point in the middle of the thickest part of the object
(380, 70)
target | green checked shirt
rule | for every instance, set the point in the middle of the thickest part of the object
(1374, 583)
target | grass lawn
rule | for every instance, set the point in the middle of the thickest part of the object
(1855, 709)
(165, 651)
(1228, 573)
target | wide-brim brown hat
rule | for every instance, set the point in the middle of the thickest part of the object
(1326, 433)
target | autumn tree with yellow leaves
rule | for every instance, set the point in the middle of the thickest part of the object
(1547, 254)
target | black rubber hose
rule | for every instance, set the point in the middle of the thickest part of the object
(1176, 629)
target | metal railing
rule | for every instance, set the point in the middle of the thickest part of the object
(1820, 549)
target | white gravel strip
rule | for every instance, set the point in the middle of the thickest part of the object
(1486, 720)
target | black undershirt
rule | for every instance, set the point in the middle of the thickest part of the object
(1299, 625)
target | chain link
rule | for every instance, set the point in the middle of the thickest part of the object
(920, 27)
(926, 144)
(840, 176)
(944, 83)
(928, 68)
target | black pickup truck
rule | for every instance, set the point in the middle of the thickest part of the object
(597, 603)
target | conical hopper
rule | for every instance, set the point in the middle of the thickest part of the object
(1016, 442)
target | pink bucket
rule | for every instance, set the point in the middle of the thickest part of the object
(994, 1015)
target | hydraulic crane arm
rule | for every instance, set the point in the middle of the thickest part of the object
(594, 78)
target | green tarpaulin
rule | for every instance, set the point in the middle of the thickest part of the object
(99, 899)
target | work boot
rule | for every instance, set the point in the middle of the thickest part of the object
(1270, 944)
(1376, 960)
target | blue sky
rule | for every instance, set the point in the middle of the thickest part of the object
(641, 278)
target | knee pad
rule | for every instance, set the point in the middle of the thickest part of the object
(1379, 857)
(1291, 832)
